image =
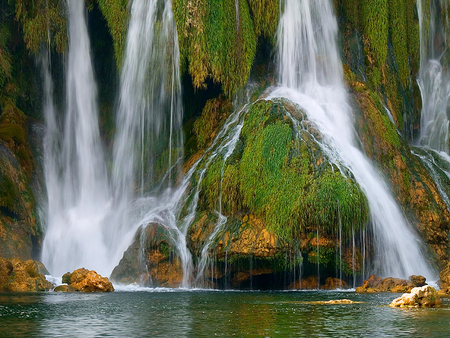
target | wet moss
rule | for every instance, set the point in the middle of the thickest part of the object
(217, 40)
(116, 15)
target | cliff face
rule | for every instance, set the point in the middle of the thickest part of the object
(277, 188)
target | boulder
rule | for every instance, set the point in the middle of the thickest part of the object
(310, 283)
(376, 284)
(84, 280)
(425, 296)
(22, 276)
(64, 288)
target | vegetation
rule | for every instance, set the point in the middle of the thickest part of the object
(276, 177)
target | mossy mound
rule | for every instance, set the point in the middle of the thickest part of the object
(277, 187)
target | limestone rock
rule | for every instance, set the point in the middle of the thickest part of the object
(334, 283)
(425, 296)
(444, 281)
(150, 260)
(85, 280)
(376, 284)
(310, 283)
(64, 288)
(22, 276)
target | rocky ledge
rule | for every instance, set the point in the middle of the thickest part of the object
(425, 296)
(376, 284)
(22, 276)
(84, 280)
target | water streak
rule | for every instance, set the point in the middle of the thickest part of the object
(311, 76)
(434, 78)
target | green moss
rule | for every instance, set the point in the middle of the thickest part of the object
(213, 114)
(399, 37)
(265, 14)
(216, 42)
(116, 15)
(42, 22)
(375, 18)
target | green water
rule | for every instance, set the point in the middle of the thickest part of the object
(177, 313)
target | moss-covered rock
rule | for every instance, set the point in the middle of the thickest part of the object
(279, 193)
(19, 230)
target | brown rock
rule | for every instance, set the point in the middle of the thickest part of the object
(310, 283)
(418, 280)
(444, 282)
(334, 283)
(375, 284)
(425, 296)
(84, 280)
(22, 276)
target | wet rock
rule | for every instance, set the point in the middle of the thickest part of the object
(444, 282)
(22, 276)
(334, 283)
(150, 260)
(85, 280)
(310, 283)
(418, 280)
(376, 284)
(64, 288)
(425, 296)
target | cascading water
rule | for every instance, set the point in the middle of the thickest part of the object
(434, 84)
(434, 78)
(91, 218)
(75, 171)
(311, 76)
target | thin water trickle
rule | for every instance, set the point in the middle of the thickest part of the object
(311, 76)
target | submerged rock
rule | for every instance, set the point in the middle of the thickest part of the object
(22, 276)
(425, 296)
(377, 284)
(84, 280)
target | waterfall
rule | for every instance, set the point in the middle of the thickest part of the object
(93, 213)
(433, 78)
(75, 170)
(311, 76)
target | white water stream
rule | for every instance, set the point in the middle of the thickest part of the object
(433, 79)
(92, 216)
(311, 76)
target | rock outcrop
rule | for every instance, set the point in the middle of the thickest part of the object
(84, 280)
(425, 296)
(22, 276)
(444, 282)
(376, 284)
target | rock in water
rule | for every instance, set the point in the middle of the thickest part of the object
(376, 284)
(85, 280)
(22, 276)
(425, 296)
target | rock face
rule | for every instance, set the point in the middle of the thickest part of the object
(444, 282)
(20, 234)
(377, 284)
(312, 283)
(425, 296)
(149, 260)
(22, 276)
(84, 280)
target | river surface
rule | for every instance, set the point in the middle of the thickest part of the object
(198, 313)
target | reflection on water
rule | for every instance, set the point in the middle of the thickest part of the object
(212, 313)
